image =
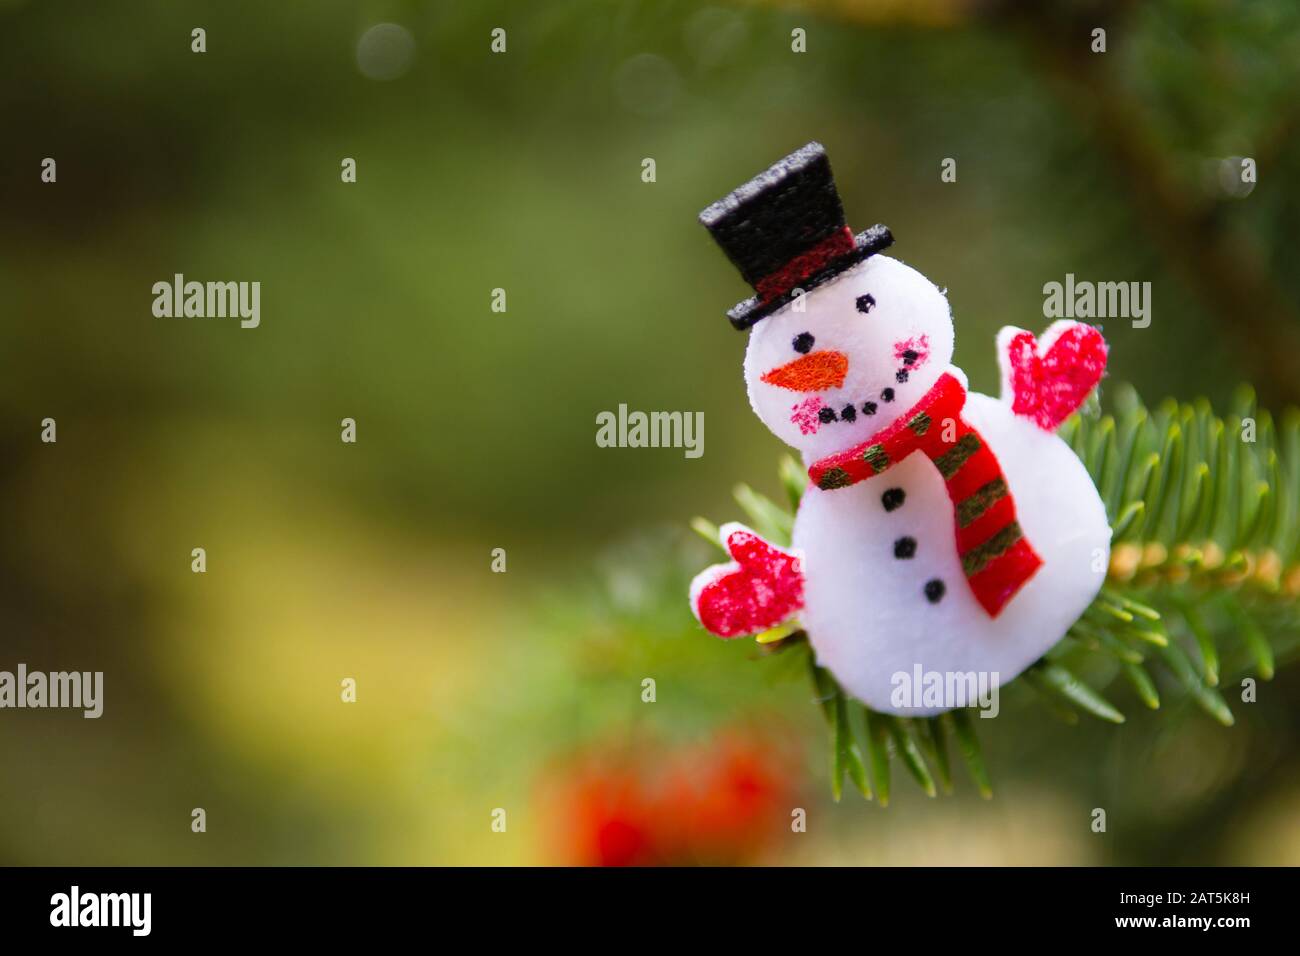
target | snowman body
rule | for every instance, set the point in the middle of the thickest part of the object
(886, 601)
(887, 607)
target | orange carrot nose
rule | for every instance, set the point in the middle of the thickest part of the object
(814, 372)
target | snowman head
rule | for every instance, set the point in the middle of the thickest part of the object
(843, 340)
(843, 361)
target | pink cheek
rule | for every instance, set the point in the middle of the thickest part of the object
(805, 415)
(919, 345)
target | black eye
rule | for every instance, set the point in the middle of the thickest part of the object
(803, 343)
(866, 302)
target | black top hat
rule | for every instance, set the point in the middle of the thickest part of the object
(784, 230)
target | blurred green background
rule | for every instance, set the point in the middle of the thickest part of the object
(476, 429)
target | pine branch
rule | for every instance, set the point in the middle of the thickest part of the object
(1203, 587)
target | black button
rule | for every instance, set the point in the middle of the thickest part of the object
(910, 356)
(848, 413)
(868, 408)
(803, 343)
(905, 548)
(934, 590)
(901, 376)
(827, 415)
(866, 303)
(887, 395)
(893, 498)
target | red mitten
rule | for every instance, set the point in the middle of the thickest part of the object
(757, 591)
(1047, 379)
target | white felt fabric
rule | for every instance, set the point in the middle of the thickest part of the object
(866, 612)
(908, 306)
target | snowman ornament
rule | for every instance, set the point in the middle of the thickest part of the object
(944, 533)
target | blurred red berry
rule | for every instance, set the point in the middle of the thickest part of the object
(720, 803)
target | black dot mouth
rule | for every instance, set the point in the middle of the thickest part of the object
(850, 412)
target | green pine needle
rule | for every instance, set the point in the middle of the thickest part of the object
(1205, 642)
(1256, 642)
(935, 744)
(1054, 703)
(708, 531)
(1207, 698)
(847, 747)
(969, 746)
(1057, 679)
(1202, 586)
(1143, 684)
(1128, 518)
(793, 479)
(765, 516)
(906, 747)
(877, 737)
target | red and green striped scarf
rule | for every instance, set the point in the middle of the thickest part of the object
(995, 555)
